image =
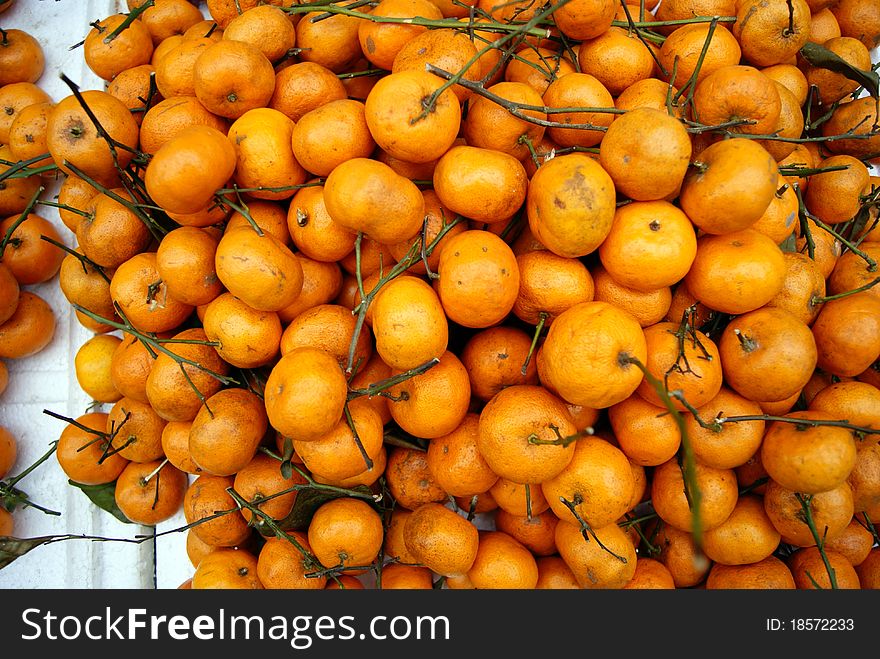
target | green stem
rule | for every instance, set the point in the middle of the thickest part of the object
(806, 506)
(129, 19)
(21, 218)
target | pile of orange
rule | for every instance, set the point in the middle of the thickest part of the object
(420, 293)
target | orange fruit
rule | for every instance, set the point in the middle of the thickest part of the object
(83, 456)
(718, 489)
(650, 245)
(513, 428)
(345, 532)
(408, 323)
(441, 540)
(150, 492)
(29, 329)
(479, 279)
(597, 483)
(481, 184)
(831, 511)
(281, 565)
(644, 433)
(502, 562)
(610, 564)
(368, 196)
(647, 153)
(588, 351)
(232, 77)
(399, 121)
(769, 573)
(746, 536)
(494, 358)
(258, 269)
(305, 394)
(187, 170)
(809, 570)
(732, 174)
(227, 569)
(571, 204)
(736, 442)
(72, 137)
(767, 354)
(736, 272)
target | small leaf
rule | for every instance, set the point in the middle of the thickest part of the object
(103, 496)
(825, 59)
(12, 548)
(403, 439)
(789, 244)
(307, 502)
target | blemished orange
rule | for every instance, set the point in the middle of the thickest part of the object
(808, 459)
(409, 479)
(227, 430)
(771, 31)
(647, 153)
(132, 46)
(479, 279)
(517, 498)
(570, 204)
(206, 497)
(647, 307)
(515, 427)
(680, 554)
(809, 570)
(650, 245)
(831, 511)
(264, 155)
(281, 564)
(589, 351)
(258, 269)
(72, 136)
(329, 327)
(313, 231)
(441, 540)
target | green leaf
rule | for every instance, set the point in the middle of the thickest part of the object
(397, 437)
(103, 496)
(789, 244)
(307, 502)
(825, 59)
(12, 548)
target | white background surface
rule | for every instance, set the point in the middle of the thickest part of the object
(47, 381)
